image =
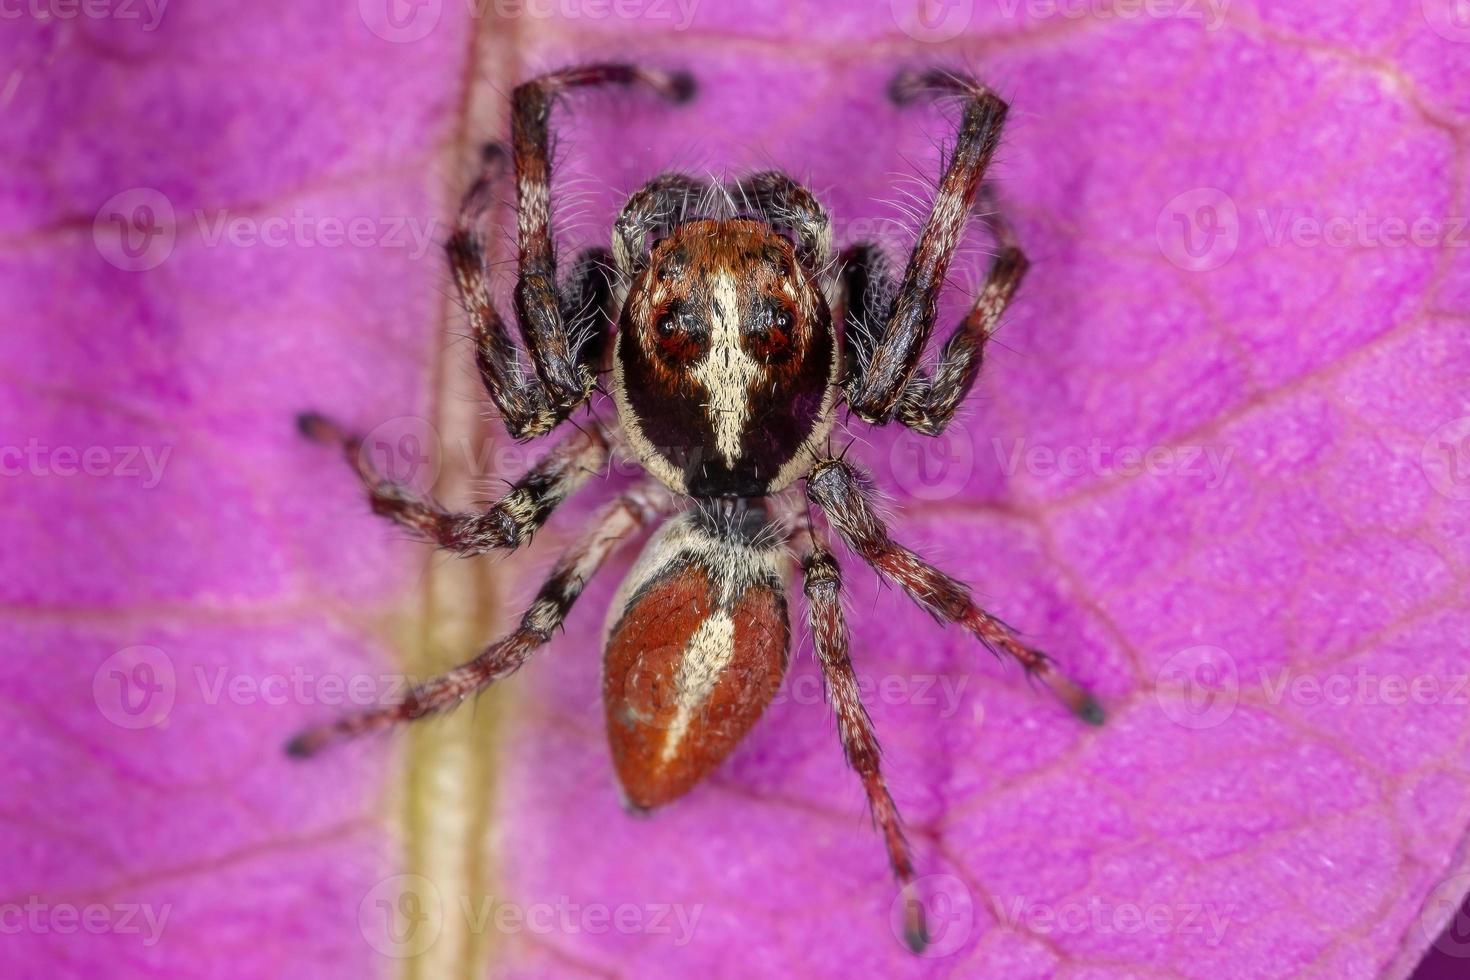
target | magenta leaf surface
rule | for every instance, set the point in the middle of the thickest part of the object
(1217, 466)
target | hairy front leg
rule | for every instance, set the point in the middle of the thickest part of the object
(874, 392)
(525, 407)
(931, 398)
(562, 353)
(567, 374)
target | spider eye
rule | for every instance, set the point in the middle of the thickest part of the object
(769, 333)
(679, 335)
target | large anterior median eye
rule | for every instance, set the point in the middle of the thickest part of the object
(768, 330)
(679, 334)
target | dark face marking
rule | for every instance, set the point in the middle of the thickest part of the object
(725, 365)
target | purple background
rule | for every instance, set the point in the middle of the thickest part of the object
(222, 594)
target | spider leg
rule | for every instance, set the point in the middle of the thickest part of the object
(657, 207)
(789, 207)
(867, 288)
(508, 523)
(562, 354)
(874, 392)
(613, 525)
(587, 304)
(822, 585)
(930, 400)
(846, 497)
(563, 369)
(524, 404)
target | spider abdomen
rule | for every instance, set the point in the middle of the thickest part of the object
(697, 645)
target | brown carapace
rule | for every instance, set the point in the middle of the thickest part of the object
(732, 335)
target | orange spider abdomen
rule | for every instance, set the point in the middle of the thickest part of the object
(695, 651)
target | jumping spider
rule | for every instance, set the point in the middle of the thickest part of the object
(727, 367)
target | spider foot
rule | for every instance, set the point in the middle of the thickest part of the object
(915, 928)
(1078, 699)
(319, 428)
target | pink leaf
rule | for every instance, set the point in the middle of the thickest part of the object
(1216, 466)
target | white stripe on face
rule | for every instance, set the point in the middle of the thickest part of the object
(726, 371)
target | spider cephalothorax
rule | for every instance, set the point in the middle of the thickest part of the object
(724, 321)
(734, 335)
